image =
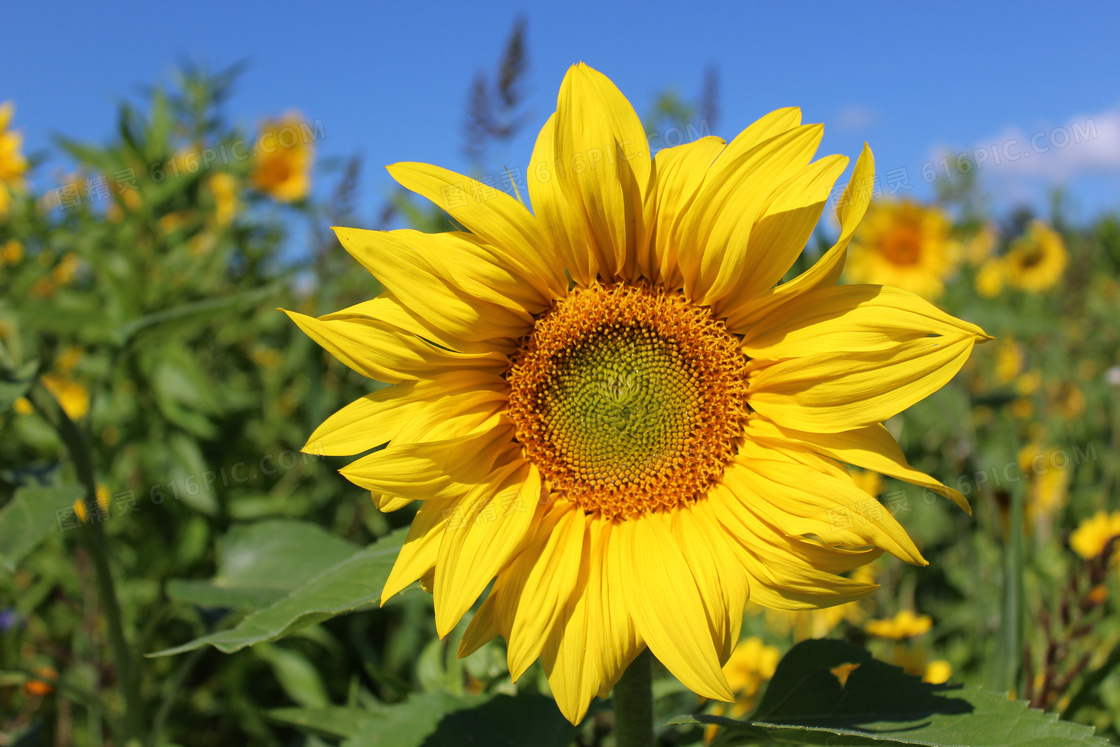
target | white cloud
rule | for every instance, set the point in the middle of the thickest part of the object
(1084, 145)
(855, 118)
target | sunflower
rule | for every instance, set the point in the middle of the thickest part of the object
(608, 408)
(904, 244)
(1036, 260)
(283, 156)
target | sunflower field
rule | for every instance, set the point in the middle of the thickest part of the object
(716, 445)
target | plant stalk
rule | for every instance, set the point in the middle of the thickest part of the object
(633, 703)
(96, 544)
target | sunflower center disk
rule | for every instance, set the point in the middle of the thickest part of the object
(628, 399)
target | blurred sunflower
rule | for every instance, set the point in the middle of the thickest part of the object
(71, 396)
(13, 165)
(1037, 259)
(282, 160)
(904, 244)
(609, 406)
(1093, 534)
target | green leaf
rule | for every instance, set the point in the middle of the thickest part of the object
(262, 562)
(15, 383)
(332, 721)
(353, 584)
(297, 675)
(444, 720)
(881, 706)
(29, 517)
(170, 321)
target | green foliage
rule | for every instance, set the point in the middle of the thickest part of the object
(224, 587)
(880, 706)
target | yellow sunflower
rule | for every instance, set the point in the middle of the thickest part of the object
(1036, 260)
(608, 408)
(904, 244)
(13, 164)
(282, 160)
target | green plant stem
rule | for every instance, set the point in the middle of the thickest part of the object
(633, 704)
(1089, 684)
(96, 544)
(171, 692)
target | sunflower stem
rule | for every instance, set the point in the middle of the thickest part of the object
(633, 704)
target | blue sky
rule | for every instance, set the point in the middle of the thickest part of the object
(390, 81)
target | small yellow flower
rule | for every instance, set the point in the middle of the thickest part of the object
(906, 624)
(1093, 534)
(71, 395)
(1047, 484)
(1022, 408)
(1009, 361)
(990, 279)
(283, 160)
(224, 189)
(1028, 383)
(904, 244)
(938, 672)
(13, 165)
(13, 252)
(23, 406)
(67, 269)
(1037, 259)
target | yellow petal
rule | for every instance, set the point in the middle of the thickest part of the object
(491, 527)
(715, 235)
(380, 351)
(411, 406)
(771, 125)
(850, 318)
(400, 261)
(723, 586)
(432, 469)
(872, 448)
(677, 175)
(534, 590)
(783, 228)
(833, 392)
(390, 311)
(492, 215)
(741, 313)
(667, 606)
(421, 546)
(831, 508)
(604, 166)
(565, 228)
(570, 653)
(788, 572)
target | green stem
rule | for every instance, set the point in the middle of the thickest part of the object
(633, 704)
(93, 537)
(1089, 684)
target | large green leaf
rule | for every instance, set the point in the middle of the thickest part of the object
(30, 516)
(353, 584)
(881, 706)
(262, 562)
